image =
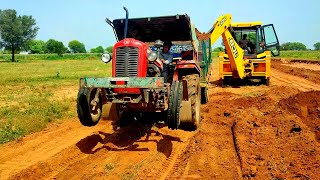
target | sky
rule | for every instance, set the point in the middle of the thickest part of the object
(84, 20)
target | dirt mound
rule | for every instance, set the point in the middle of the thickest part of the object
(202, 35)
(253, 135)
(307, 106)
(272, 141)
(293, 60)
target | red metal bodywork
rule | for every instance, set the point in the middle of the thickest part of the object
(185, 64)
(142, 62)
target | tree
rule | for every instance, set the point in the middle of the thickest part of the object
(53, 46)
(295, 46)
(98, 49)
(218, 49)
(36, 46)
(76, 47)
(16, 31)
(109, 49)
(316, 46)
(285, 46)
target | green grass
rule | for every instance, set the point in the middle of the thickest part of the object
(301, 55)
(215, 54)
(28, 57)
(35, 93)
(109, 167)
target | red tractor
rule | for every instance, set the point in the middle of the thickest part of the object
(136, 85)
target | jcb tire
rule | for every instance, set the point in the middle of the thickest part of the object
(204, 95)
(194, 93)
(268, 82)
(265, 81)
(89, 114)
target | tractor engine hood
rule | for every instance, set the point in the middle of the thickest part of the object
(150, 29)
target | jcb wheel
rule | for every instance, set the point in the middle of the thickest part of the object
(268, 82)
(89, 106)
(265, 81)
(194, 93)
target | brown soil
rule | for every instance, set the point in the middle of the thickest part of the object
(307, 71)
(251, 132)
(202, 35)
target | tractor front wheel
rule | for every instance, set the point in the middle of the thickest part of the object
(89, 106)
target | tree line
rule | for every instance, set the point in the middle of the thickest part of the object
(54, 46)
(18, 32)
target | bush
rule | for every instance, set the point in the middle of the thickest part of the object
(9, 132)
(296, 46)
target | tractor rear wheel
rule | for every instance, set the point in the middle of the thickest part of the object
(194, 95)
(89, 106)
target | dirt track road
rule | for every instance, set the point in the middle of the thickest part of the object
(248, 132)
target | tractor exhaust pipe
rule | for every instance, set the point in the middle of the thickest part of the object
(108, 21)
(126, 23)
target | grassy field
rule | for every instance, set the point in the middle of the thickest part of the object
(79, 56)
(35, 93)
(305, 55)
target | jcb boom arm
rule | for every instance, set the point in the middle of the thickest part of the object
(235, 52)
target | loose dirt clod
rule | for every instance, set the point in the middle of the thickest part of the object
(295, 129)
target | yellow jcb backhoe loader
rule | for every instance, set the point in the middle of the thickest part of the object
(248, 49)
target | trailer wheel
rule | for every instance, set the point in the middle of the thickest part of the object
(194, 94)
(204, 95)
(89, 106)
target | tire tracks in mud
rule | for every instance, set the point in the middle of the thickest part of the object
(280, 78)
(175, 158)
(44, 154)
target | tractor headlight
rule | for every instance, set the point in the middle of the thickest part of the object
(152, 56)
(106, 57)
